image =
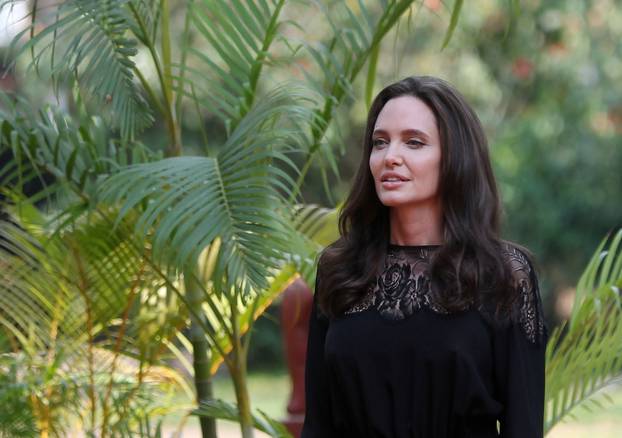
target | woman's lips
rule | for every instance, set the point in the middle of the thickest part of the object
(390, 185)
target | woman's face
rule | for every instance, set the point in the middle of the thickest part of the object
(406, 154)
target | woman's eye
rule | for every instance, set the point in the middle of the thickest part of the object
(415, 143)
(378, 142)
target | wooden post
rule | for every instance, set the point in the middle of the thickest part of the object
(295, 313)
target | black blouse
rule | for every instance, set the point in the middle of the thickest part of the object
(397, 365)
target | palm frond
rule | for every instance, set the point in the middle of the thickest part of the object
(455, 15)
(237, 196)
(240, 38)
(248, 314)
(64, 159)
(63, 283)
(16, 416)
(585, 354)
(605, 265)
(89, 39)
(223, 410)
(355, 35)
(65, 300)
(317, 223)
(64, 384)
(148, 11)
(27, 313)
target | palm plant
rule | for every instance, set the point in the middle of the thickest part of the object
(76, 353)
(216, 232)
(584, 354)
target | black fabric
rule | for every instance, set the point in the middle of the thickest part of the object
(398, 366)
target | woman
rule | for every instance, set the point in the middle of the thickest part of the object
(425, 323)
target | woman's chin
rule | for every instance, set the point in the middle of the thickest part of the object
(392, 201)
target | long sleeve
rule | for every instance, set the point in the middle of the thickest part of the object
(318, 416)
(519, 359)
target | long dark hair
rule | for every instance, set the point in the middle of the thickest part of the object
(469, 267)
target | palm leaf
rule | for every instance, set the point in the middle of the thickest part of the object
(64, 158)
(16, 416)
(89, 39)
(317, 223)
(249, 313)
(239, 40)
(71, 280)
(356, 36)
(455, 15)
(604, 265)
(223, 410)
(236, 196)
(63, 295)
(585, 354)
(148, 12)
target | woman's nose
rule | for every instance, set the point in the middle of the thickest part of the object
(392, 156)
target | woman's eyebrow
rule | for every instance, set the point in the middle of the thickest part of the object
(415, 132)
(404, 132)
(379, 132)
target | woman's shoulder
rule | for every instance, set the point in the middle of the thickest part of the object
(520, 262)
(526, 307)
(517, 255)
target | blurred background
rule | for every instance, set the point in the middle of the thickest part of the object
(544, 77)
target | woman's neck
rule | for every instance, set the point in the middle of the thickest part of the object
(416, 225)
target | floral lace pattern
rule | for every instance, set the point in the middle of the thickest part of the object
(529, 308)
(404, 287)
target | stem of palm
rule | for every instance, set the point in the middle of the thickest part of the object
(200, 347)
(243, 399)
(239, 376)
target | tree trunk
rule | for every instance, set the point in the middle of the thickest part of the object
(200, 348)
(239, 377)
(238, 374)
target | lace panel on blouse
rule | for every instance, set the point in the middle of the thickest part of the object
(529, 305)
(404, 287)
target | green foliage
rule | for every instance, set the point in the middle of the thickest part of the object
(66, 301)
(228, 411)
(182, 191)
(42, 392)
(256, 307)
(63, 156)
(585, 353)
(355, 37)
(240, 39)
(88, 39)
(16, 416)
(455, 15)
(317, 223)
